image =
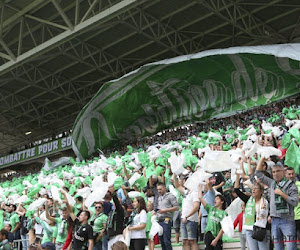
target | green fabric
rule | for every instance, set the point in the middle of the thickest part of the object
(292, 157)
(149, 223)
(296, 134)
(150, 171)
(203, 135)
(286, 139)
(226, 147)
(228, 184)
(99, 223)
(250, 212)
(159, 170)
(141, 183)
(87, 180)
(1, 219)
(214, 218)
(111, 161)
(72, 190)
(77, 182)
(118, 183)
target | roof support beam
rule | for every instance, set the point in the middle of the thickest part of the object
(69, 34)
(63, 14)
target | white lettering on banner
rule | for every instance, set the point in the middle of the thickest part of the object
(36, 151)
(55, 145)
(65, 142)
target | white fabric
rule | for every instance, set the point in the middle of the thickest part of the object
(188, 205)
(133, 194)
(139, 219)
(266, 152)
(235, 208)
(177, 163)
(127, 237)
(251, 131)
(227, 226)
(252, 150)
(155, 228)
(37, 203)
(217, 161)
(55, 194)
(198, 177)
(134, 178)
(97, 195)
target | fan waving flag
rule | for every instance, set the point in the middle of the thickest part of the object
(184, 90)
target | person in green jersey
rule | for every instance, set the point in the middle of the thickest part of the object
(12, 218)
(61, 233)
(49, 228)
(4, 244)
(213, 230)
(98, 221)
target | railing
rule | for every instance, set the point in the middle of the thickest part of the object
(18, 243)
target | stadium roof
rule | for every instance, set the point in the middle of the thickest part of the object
(56, 54)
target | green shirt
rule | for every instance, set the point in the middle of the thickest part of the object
(214, 219)
(228, 184)
(99, 221)
(60, 238)
(297, 209)
(49, 236)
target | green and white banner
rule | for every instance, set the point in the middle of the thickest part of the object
(36, 152)
(184, 90)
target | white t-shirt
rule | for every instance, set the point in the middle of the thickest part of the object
(188, 205)
(139, 219)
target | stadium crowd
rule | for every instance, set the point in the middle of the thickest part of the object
(153, 195)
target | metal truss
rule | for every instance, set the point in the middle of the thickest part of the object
(69, 30)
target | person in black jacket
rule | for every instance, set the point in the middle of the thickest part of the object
(115, 221)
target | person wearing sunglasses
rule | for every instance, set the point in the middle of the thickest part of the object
(98, 221)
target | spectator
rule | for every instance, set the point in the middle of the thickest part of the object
(209, 197)
(217, 181)
(256, 215)
(150, 212)
(83, 231)
(167, 204)
(283, 200)
(98, 221)
(240, 221)
(115, 222)
(213, 230)
(137, 224)
(4, 244)
(227, 188)
(189, 216)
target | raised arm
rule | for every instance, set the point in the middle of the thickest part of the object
(69, 207)
(200, 195)
(47, 213)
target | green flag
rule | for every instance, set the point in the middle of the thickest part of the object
(292, 157)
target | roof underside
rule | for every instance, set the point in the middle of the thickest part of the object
(56, 54)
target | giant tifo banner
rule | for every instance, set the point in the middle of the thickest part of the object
(184, 90)
(36, 152)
